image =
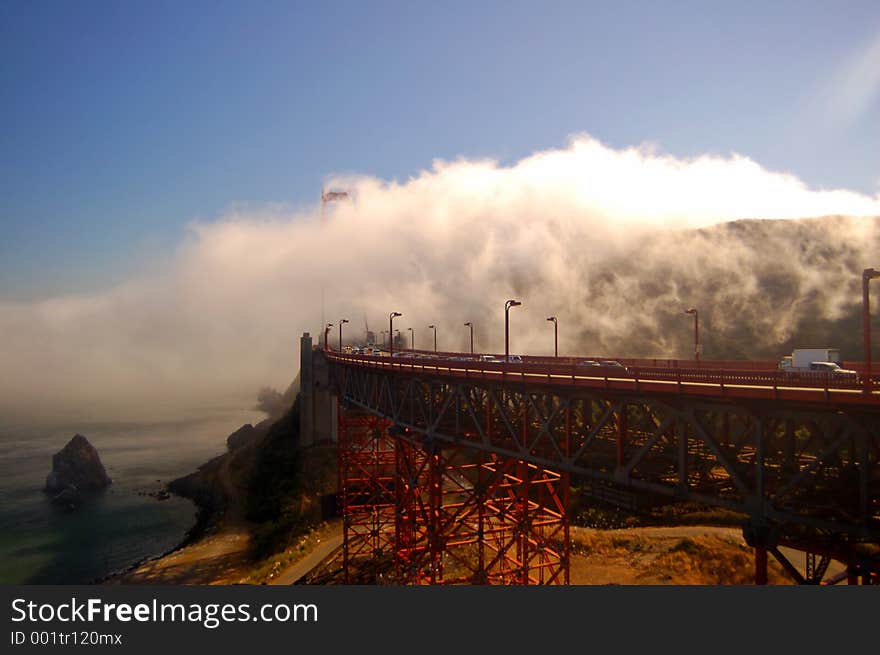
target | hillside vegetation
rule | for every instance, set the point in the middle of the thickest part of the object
(286, 484)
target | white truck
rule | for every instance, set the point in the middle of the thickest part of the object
(815, 359)
(800, 359)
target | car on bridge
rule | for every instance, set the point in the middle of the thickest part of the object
(616, 366)
(610, 363)
(833, 369)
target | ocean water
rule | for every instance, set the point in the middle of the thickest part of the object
(111, 531)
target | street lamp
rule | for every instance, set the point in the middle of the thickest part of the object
(341, 321)
(434, 327)
(326, 330)
(696, 331)
(391, 317)
(412, 339)
(507, 306)
(555, 336)
(471, 326)
(867, 275)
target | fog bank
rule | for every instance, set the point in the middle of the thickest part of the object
(613, 242)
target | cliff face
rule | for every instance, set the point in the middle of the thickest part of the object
(247, 434)
(77, 465)
(205, 489)
(214, 486)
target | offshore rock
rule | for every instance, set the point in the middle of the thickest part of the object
(77, 465)
(69, 498)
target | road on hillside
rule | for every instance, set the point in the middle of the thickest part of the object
(301, 567)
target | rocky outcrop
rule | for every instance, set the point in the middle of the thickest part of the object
(246, 434)
(76, 468)
(79, 465)
(69, 498)
(204, 488)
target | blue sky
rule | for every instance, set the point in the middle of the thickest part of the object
(122, 122)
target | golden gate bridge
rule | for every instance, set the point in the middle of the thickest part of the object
(457, 468)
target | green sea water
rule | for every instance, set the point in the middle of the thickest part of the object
(43, 544)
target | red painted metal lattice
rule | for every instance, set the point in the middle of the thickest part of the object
(451, 514)
(801, 465)
(366, 492)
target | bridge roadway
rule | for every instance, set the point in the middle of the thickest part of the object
(798, 455)
(708, 379)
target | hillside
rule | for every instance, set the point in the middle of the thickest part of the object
(256, 501)
(762, 287)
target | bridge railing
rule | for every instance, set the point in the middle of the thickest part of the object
(702, 377)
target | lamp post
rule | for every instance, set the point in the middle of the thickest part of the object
(412, 339)
(555, 335)
(867, 275)
(391, 318)
(471, 326)
(327, 330)
(507, 306)
(434, 327)
(696, 331)
(341, 321)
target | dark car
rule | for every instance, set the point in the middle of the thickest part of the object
(833, 369)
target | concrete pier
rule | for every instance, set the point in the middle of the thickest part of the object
(317, 423)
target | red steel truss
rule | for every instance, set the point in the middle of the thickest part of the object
(802, 466)
(468, 518)
(366, 492)
(450, 514)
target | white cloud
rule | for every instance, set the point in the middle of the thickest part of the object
(446, 246)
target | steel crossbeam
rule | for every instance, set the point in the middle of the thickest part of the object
(366, 491)
(449, 514)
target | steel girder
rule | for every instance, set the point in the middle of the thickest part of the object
(449, 514)
(366, 493)
(805, 476)
(468, 517)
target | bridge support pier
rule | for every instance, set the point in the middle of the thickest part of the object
(366, 496)
(762, 537)
(760, 566)
(467, 519)
(318, 417)
(444, 513)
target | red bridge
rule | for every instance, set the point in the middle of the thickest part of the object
(456, 470)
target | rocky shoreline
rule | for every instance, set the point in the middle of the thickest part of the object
(211, 491)
(203, 490)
